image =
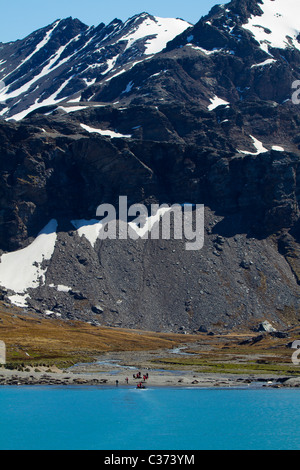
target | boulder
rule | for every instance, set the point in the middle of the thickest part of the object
(266, 327)
(97, 309)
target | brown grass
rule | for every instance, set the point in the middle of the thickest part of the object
(32, 339)
(35, 340)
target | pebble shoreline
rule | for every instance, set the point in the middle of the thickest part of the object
(156, 379)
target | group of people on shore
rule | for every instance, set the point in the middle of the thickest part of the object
(137, 376)
(145, 378)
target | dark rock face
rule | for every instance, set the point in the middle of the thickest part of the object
(240, 159)
(251, 225)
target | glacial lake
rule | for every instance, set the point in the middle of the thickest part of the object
(94, 418)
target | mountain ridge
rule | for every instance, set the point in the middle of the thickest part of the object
(75, 55)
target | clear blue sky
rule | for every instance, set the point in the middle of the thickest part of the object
(19, 18)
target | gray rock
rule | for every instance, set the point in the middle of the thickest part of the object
(267, 327)
(97, 309)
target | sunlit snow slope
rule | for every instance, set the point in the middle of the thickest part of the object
(279, 25)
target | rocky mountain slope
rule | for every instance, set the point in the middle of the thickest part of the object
(63, 59)
(209, 119)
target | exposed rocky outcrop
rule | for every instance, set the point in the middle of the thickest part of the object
(241, 275)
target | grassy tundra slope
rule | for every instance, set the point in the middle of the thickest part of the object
(33, 340)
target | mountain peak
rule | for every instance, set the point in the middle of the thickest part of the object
(272, 24)
(64, 58)
(276, 25)
(69, 60)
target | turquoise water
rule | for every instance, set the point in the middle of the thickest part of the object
(78, 418)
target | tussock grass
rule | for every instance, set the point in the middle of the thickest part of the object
(205, 366)
(35, 340)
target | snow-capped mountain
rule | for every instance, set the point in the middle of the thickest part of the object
(120, 62)
(234, 48)
(61, 60)
(163, 112)
(272, 23)
(277, 25)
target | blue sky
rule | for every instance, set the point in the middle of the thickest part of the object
(19, 18)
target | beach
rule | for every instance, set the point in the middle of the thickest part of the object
(121, 369)
(118, 378)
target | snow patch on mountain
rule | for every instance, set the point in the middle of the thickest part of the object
(139, 228)
(258, 145)
(159, 30)
(53, 64)
(278, 26)
(72, 109)
(278, 148)
(216, 102)
(41, 44)
(38, 104)
(204, 51)
(90, 229)
(264, 64)
(60, 288)
(143, 229)
(106, 133)
(23, 269)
